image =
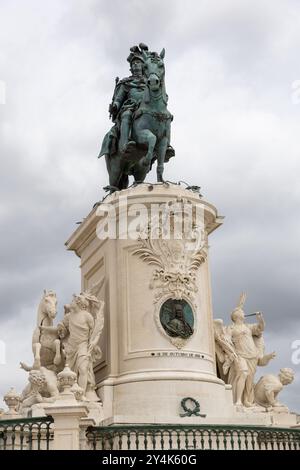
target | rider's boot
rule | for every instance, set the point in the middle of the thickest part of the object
(124, 134)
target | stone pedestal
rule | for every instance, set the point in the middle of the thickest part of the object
(67, 420)
(145, 372)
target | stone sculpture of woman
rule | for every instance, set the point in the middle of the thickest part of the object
(240, 349)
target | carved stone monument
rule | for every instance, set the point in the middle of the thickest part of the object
(158, 343)
(144, 252)
(139, 343)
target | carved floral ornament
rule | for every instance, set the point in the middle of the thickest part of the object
(176, 263)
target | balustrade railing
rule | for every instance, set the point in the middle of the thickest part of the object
(202, 437)
(26, 434)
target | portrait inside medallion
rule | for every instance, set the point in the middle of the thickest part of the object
(177, 318)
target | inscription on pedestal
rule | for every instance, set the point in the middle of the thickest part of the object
(178, 354)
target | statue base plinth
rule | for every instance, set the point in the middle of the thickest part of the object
(145, 372)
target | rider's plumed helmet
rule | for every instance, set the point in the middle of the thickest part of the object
(136, 53)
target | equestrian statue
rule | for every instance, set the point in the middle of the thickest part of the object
(141, 131)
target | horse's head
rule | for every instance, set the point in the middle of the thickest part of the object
(154, 69)
(48, 305)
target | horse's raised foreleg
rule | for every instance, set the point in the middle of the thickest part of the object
(147, 138)
(161, 153)
(37, 355)
(57, 358)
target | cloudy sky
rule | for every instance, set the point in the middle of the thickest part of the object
(232, 68)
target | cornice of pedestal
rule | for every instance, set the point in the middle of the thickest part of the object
(158, 193)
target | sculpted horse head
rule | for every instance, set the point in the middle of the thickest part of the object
(47, 309)
(154, 70)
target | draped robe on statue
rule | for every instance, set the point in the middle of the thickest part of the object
(80, 327)
(245, 341)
